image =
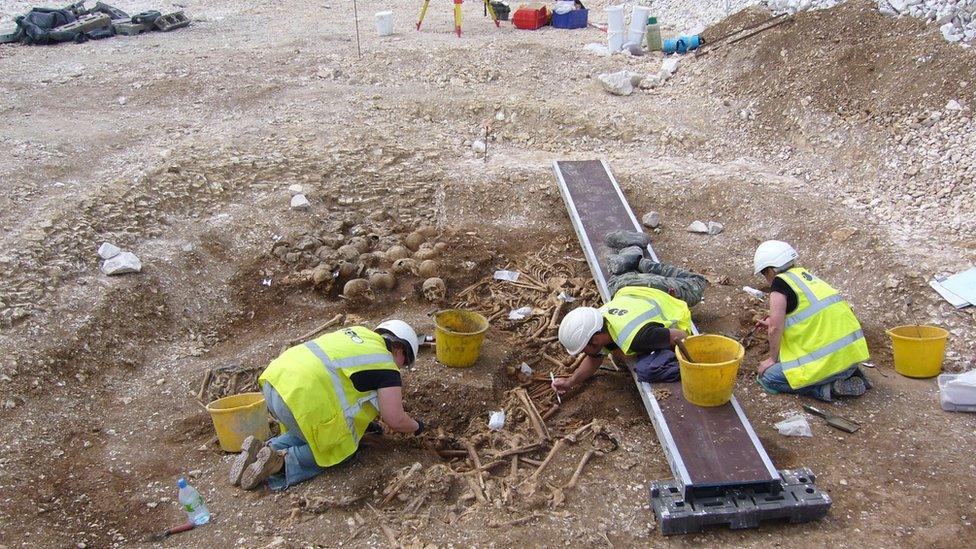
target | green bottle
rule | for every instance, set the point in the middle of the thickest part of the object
(653, 35)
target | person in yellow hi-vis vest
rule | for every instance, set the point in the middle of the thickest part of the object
(816, 344)
(638, 321)
(325, 393)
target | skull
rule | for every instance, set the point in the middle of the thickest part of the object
(381, 280)
(404, 267)
(434, 289)
(358, 289)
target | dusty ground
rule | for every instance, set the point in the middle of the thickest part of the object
(191, 172)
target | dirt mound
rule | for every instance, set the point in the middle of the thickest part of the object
(850, 60)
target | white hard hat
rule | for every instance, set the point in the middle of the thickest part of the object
(773, 253)
(402, 330)
(578, 327)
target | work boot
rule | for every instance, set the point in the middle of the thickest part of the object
(622, 239)
(249, 452)
(623, 262)
(860, 373)
(268, 462)
(850, 387)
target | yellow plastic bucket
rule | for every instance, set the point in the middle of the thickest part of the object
(709, 381)
(237, 417)
(918, 350)
(459, 335)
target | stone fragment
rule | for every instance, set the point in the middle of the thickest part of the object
(697, 227)
(479, 146)
(620, 82)
(108, 250)
(125, 262)
(715, 228)
(296, 189)
(299, 202)
(651, 220)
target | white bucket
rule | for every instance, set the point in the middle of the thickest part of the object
(615, 18)
(615, 41)
(638, 24)
(384, 23)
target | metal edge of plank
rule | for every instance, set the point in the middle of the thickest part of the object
(747, 425)
(678, 468)
(755, 440)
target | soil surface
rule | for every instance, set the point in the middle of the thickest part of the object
(181, 147)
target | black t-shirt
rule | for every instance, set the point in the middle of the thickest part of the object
(371, 380)
(780, 285)
(652, 337)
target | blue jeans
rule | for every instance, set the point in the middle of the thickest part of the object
(300, 464)
(774, 380)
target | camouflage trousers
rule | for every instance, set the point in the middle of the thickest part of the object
(684, 285)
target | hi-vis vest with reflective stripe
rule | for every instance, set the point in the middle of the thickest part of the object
(633, 307)
(314, 381)
(822, 336)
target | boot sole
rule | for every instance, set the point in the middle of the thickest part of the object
(266, 464)
(249, 452)
(850, 387)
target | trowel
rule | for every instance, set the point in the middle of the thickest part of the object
(837, 422)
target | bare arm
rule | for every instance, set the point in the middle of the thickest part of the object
(391, 411)
(776, 323)
(586, 370)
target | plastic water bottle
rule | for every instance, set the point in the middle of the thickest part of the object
(653, 35)
(192, 502)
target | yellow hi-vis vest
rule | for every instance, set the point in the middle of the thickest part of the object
(314, 381)
(633, 307)
(822, 336)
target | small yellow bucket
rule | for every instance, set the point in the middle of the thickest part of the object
(918, 350)
(459, 335)
(709, 381)
(237, 417)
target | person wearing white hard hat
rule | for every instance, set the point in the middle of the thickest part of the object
(325, 393)
(815, 342)
(636, 322)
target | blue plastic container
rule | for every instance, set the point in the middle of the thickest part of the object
(682, 44)
(575, 19)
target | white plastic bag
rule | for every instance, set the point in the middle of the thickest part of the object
(496, 420)
(511, 276)
(795, 426)
(961, 390)
(520, 313)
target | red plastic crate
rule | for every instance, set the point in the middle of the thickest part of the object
(530, 19)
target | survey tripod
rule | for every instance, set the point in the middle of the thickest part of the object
(489, 10)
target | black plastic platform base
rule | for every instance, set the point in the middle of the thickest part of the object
(798, 501)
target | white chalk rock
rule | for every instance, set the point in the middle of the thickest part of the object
(125, 262)
(296, 188)
(953, 105)
(715, 228)
(108, 251)
(299, 202)
(479, 146)
(697, 227)
(597, 49)
(618, 83)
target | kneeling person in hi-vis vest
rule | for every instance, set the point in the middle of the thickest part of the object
(815, 342)
(325, 393)
(637, 321)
